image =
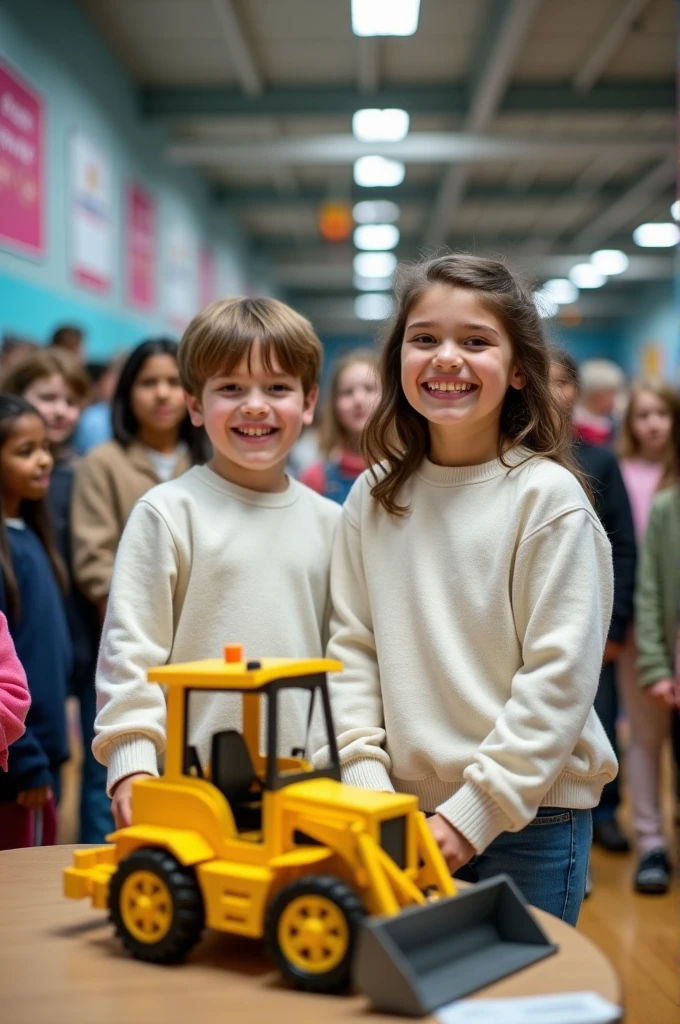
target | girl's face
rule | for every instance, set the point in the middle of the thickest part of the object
(26, 461)
(57, 404)
(156, 397)
(457, 363)
(357, 397)
(651, 424)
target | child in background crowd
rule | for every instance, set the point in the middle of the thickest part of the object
(471, 591)
(15, 699)
(352, 396)
(647, 464)
(231, 551)
(95, 426)
(32, 581)
(611, 503)
(602, 384)
(154, 441)
(57, 385)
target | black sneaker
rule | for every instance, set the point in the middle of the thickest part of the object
(608, 835)
(653, 875)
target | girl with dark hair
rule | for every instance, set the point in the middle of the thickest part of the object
(471, 591)
(153, 441)
(32, 583)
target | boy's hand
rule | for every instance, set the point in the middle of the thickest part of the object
(455, 848)
(612, 651)
(35, 799)
(665, 694)
(121, 801)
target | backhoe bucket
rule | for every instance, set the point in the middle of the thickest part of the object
(430, 955)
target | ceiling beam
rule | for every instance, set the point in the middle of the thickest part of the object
(312, 101)
(606, 46)
(629, 205)
(417, 147)
(478, 191)
(238, 48)
(492, 68)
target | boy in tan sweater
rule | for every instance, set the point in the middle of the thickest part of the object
(231, 551)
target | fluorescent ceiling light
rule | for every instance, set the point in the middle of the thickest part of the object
(675, 210)
(561, 290)
(376, 236)
(376, 171)
(610, 261)
(376, 211)
(585, 275)
(657, 236)
(546, 305)
(375, 264)
(385, 17)
(372, 284)
(373, 125)
(373, 306)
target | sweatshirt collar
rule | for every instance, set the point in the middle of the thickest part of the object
(452, 476)
(263, 499)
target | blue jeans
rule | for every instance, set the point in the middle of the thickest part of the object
(96, 819)
(547, 860)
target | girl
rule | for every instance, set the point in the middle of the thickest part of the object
(647, 464)
(14, 696)
(472, 590)
(30, 583)
(57, 385)
(353, 394)
(153, 442)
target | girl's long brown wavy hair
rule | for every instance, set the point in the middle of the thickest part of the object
(34, 514)
(398, 437)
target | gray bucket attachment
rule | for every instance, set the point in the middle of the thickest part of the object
(430, 955)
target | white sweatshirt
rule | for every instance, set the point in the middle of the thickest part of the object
(472, 633)
(201, 563)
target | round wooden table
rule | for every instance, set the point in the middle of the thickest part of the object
(60, 962)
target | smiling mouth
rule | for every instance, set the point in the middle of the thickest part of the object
(443, 389)
(255, 431)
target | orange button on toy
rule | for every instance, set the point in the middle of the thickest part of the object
(233, 653)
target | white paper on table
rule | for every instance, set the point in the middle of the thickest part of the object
(565, 1008)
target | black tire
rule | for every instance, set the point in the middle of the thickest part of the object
(350, 908)
(186, 912)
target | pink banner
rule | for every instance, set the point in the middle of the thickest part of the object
(21, 165)
(140, 249)
(207, 277)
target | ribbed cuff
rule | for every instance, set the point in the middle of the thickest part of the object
(367, 772)
(476, 815)
(136, 753)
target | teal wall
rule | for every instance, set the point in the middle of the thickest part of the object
(656, 324)
(51, 45)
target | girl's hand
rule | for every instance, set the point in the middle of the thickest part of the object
(35, 799)
(121, 801)
(664, 693)
(455, 848)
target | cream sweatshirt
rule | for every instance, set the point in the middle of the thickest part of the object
(472, 634)
(201, 563)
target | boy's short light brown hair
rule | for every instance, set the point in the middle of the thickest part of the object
(219, 337)
(45, 362)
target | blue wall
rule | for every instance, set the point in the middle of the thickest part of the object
(656, 325)
(51, 45)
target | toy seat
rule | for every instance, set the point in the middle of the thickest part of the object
(233, 773)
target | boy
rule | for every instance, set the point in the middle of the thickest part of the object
(231, 551)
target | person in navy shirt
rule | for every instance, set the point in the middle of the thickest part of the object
(32, 584)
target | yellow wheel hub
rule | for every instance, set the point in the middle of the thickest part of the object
(146, 906)
(313, 934)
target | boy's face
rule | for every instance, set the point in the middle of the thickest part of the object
(253, 418)
(57, 404)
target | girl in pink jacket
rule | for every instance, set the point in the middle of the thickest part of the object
(14, 696)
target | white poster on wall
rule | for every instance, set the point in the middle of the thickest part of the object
(180, 274)
(91, 215)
